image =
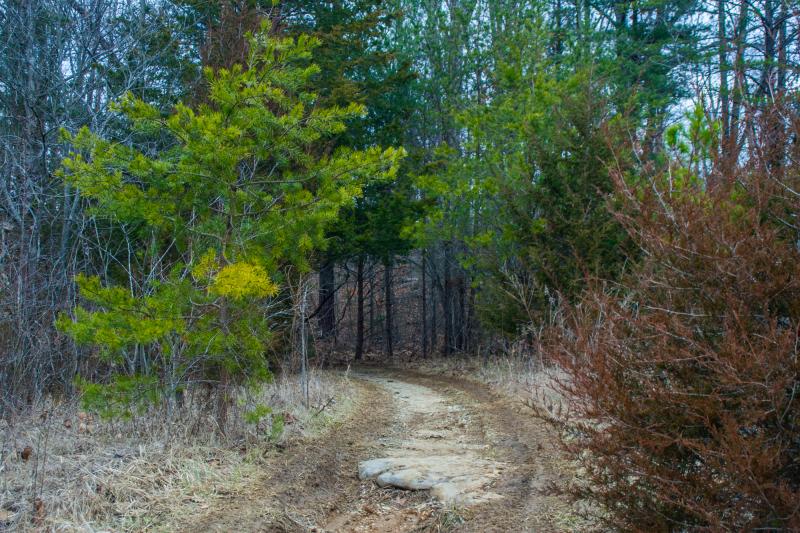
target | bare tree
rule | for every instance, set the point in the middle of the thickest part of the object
(61, 63)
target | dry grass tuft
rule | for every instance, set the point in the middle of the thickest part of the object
(64, 470)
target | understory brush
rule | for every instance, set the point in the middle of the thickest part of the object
(62, 468)
(683, 380)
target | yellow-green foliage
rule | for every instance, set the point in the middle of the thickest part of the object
(242, 280)
(120, 319)
(232, 195)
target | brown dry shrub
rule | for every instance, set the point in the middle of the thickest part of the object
(684, 382)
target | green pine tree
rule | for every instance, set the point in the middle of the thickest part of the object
(237, 196)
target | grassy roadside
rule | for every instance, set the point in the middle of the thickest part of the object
(64, 470)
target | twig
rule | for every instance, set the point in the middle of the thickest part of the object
(330, 400)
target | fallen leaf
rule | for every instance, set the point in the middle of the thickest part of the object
(38, 508)
(26, 452)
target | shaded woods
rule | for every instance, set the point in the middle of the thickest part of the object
(198, 195)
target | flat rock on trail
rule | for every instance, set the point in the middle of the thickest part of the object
(435, 450)
(418, 453)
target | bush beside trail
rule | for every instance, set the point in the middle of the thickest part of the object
(684, 381)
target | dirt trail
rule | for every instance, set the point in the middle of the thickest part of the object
(480, 465)
(436, 451)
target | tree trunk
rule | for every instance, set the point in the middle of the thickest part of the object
(387, 287)
(722, 36)
(304, 348)
(371, 330)
(558, 47)
(783, 45)
(461, 323)
(222, 400)
(434, 325)
(739, 86)
(224, 378)
(768, 69)
(424, 310)
(360, 309)
(327, 300)
(468, 319)
(447, 302)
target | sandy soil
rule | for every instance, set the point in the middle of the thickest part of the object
(480, 461)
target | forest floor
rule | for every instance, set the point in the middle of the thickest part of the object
(488, 464)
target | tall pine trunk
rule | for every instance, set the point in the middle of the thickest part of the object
(447, 302)
(434, 324)
(424, 309)
(728, 137)
(461, 323)
(387, 287)
(224, 379)
(371, 331)
(327, 300)
(360, 308)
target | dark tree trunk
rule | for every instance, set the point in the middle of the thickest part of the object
(327, 300)
(360, 309)
(768, 70)
(224, 380)
(371, 331)
(447, 302)
(729, 133)
(558, 47)
(775, 143)
(471, 322)
(424, 310)
(434, 325)
(739, 86)
(461, 329)
(387, 287)
(722, 36)
(783, 46)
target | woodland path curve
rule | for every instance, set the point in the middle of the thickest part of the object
(480, 461)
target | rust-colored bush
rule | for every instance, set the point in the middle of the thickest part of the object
(685, 380)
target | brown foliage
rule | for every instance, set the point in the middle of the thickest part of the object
(685, 381)
(226, 41)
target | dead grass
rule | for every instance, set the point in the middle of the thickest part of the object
(152, 471)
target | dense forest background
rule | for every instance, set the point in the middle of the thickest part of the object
(202, 193)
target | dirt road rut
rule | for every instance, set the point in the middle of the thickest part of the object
(418, 453)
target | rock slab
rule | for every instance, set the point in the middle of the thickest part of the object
(437, 453)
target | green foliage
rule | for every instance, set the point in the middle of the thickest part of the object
(121, 320)
(651, 39)
(359, 63)
(123, 397)
(257, 413)
(277, 427)
(533, 209)
(234, 197)
(519, 179)
(692, 144)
